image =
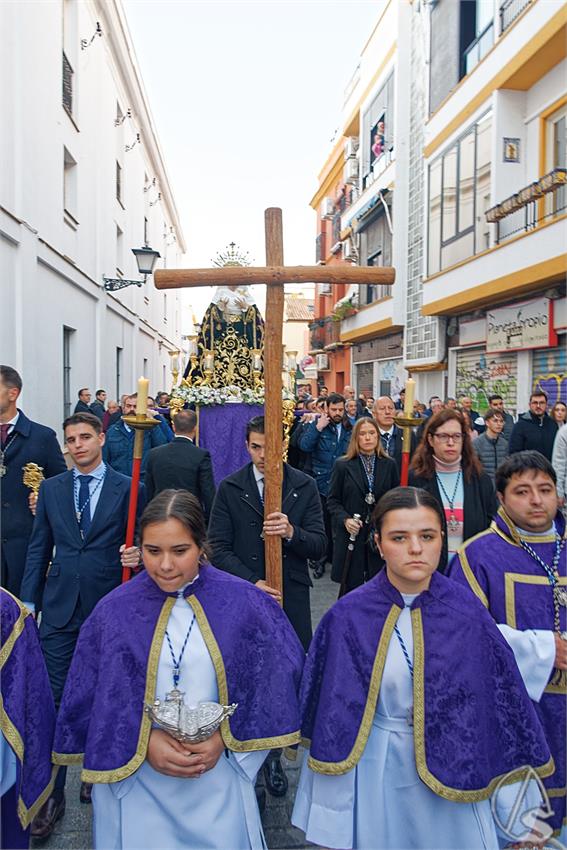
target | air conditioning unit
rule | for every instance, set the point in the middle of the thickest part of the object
(351, 171)
(325, 289)
(322, 362)
(351, 146)
(327, 208)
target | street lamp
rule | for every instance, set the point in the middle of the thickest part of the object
(146, 259)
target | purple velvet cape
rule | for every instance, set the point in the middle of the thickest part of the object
(517, 592)
(27, 712)
(474, 721)
(257, 658)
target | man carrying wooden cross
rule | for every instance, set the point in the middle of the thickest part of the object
(274, 275)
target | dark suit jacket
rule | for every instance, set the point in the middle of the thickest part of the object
(479, 505)
(82, 407)
(97, 407)
(181, 465)
(33, 443)
(87, 569)
(234, 533)
(396, 445)
(347, 492)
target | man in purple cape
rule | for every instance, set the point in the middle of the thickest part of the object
(27, 722)
(513, 568)
(473, 720)
(256, 656)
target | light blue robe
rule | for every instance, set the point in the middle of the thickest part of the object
(150, 810)
(7, 765)
(382, 804)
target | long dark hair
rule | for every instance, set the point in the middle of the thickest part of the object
(179, 505)
(403, 498)
(423, 462)
(353, 451)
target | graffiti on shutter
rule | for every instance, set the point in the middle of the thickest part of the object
(480, 375)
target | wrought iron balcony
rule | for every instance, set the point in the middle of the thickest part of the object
(524, 211)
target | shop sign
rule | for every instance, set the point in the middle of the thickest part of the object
(521, 326)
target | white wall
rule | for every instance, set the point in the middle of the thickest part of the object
(51, 267)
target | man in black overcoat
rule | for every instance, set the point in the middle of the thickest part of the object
(21, 441)
(236, 535)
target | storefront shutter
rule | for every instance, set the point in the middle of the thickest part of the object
(549, 372)
(480, 375)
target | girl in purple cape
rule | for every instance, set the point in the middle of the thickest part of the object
(418, 725)
(183, 625)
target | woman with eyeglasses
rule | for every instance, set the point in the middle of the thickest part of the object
(446, 465)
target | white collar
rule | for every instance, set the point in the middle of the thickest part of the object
(259, 476)
(97, 472)
(390, 431)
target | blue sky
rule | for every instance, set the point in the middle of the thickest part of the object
(246, 97)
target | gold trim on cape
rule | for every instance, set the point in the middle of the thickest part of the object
(447, 792)
(469, 574)
(510, 580)
(337, 768)
(14, 739)
(9, 730)
(230, 741)
(515, 535)
(139, 756)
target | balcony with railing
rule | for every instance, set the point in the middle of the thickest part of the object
(531, 207)
(509, 11)
(325, 334)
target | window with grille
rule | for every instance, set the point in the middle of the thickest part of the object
(67, 86)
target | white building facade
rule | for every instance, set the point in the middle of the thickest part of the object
(82, 182)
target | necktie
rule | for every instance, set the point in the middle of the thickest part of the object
(261, 489)
(386, 442)
(84, 506)
(4, 429)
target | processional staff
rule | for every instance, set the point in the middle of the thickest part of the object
(140, 422)
(274, 276)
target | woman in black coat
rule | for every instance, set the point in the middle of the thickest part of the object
(446, 465)
(358, 480)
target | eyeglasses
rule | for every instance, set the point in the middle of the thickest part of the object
(448, 438)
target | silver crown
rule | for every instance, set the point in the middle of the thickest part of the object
(188, 723)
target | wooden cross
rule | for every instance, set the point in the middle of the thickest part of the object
(274, 275)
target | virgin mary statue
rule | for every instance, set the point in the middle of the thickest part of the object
(230, 341)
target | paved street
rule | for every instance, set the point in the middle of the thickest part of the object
(74, 830)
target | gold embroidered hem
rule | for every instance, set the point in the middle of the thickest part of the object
(340, 767)
(457, 795)
(119, 773)
(467, 571)
(10, 732)
(232, 743)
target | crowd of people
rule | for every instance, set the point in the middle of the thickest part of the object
(431, 698)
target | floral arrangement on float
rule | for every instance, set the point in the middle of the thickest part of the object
(205, 395)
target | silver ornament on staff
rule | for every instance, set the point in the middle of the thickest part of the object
(348, 558)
